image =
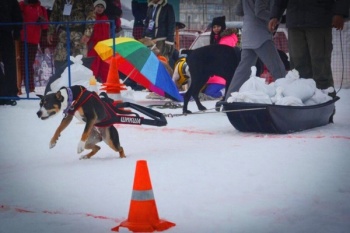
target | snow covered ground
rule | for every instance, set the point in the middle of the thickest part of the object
(206, 175)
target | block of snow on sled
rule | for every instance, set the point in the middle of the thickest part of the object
(287, 105)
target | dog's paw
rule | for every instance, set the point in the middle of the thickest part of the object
(81, 146)
(52, 144)
(84, 157)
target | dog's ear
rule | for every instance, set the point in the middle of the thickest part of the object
(40, 96)
(59, 96)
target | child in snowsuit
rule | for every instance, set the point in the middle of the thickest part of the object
(219, 35)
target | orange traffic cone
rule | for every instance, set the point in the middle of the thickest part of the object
(113, 85)
(143, 214)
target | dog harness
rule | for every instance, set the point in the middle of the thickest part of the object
(70, 100)
(115, 113)
(183, 78)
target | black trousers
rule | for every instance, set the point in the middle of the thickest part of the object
(310, 51)
(8, 80)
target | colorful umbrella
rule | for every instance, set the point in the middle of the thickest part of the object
(140, 64)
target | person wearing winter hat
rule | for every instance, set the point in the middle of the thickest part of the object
(215, 87)
(100, 32)
(100, 2)
(217, 26)
(114, 12)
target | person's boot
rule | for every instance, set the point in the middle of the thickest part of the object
(8, 102)
(331, 117)
(218, 105)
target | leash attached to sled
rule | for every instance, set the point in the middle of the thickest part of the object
(157, 118)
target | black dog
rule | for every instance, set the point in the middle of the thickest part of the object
(204, 62)
(88, 107)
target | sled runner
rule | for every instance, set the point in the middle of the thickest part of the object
(278, 119)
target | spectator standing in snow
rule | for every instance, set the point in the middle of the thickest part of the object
(32, 12)
(9, 13)
(67, 11)
(214, 88)
(160, 26)
(100, 32)
(256, 42)
(114, 12)
(309, 26)
(139, 11)
(79, 33)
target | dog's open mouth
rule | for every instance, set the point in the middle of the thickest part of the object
(44, 118)
(40, 115)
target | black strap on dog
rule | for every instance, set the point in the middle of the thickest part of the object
(69, 101)
(122, 116)
(116, 114)
(82, 98)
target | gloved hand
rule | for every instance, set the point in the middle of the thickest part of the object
(338, 22)
(169, 48)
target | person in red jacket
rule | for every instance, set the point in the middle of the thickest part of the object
(114, 12)
(32, 12)
(101, 32)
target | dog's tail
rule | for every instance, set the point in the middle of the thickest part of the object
(105, 97)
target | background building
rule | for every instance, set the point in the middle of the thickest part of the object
(197, 14)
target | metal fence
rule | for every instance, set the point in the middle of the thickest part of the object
(43, 65)
(341, 57)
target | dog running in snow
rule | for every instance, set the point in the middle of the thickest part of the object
(88, 107)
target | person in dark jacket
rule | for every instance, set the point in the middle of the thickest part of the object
(309, 26)
(9, 13)
(160, 26)
(139, 11)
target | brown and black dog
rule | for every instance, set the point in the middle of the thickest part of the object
(88, 107)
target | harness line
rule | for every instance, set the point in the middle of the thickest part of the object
(204, 112)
